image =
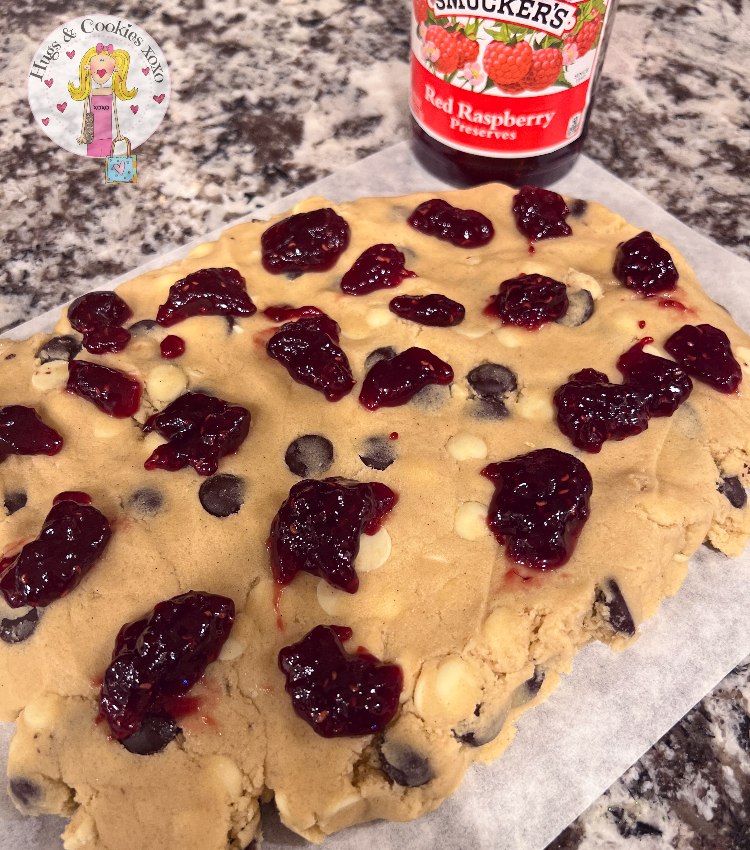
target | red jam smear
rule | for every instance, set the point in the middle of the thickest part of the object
(643, 265)
(157, 659)
(207, 292)
(378, 267)
(73, 538)
(540, 214)
(338, 693)
(112, 391)
(462, 228)
(666, 384)
(77, 496)
(390, 383)
(199, 429)
(22, 432)
(308, 349)
(317, 529)
(172, 346)
(98, 316)
(434, 310)
(540, 505)
(305, 242)
(705, 352)
(287, 313)
(529, 301)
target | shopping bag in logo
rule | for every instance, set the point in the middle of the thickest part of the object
(120, 169)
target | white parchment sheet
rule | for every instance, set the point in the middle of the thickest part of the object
(612, 707)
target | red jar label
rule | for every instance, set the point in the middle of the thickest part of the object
(504, 78)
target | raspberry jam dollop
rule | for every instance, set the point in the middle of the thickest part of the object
(591, 410)
(540, 505)
(159, 658)
(378, 267)
(704, 352)
(199, 430)
(111, 390)
(73, 538)
(529, 301)
(317, 529)
(207, 292)
(390, 383)
(540, 213)
(435, 310)
(462, 228)
(308, 349)
(172, 346)
(22, 432)
(305, 242)
(666, 383)
(287, 313)
(643, 265)
(337, 693)
(98, 316)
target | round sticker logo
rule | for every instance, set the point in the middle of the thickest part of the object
(99, 85)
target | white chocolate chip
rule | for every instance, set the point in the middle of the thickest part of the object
(466, 446)
(656, 350)
(50, 376)
(378, 317)
(374, 551)
(41, 713)
(534, 406)
(511, 337)
(228, 774)
(329, 598)
(202, 250)
(152, 440)
(233, 648)
(165, 383)
(472, 331)
(80, 832)
(451, 689)
(471, 521)
(579, 280)
(107, 427)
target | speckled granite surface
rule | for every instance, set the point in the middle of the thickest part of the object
(267, 101)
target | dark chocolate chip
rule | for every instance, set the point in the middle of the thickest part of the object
(477, 733)
(731, 487)
(403, 766)
(155, 733)
(618, 614)
(377, 452)
(387, 352)
(578, 207)
(145, 326)
(293, 275)
(491, 383)
(431, 397)
(146, 501)
(580, 308)
(230, 320)
(534, 684)
(59, 348)
(309, 455)
(222, 495)
(19, 629)
(24, 792)
(15, 500)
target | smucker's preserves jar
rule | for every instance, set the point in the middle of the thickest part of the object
(502, 89)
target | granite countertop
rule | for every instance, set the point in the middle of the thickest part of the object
(264, 102)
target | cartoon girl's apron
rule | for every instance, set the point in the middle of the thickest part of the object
(101, 109)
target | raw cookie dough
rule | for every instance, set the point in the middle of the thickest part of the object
(479, 638)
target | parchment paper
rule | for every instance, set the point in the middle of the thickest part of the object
(612, 707)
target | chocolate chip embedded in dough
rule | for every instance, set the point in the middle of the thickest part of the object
(309, 455)
(578, 207)
(21, 628)
(731, 487)
(24, 792)
(145, 327)
(609, 596)
(490, 385)
(377, 452)
(580, 308)
(527, 690)
(431, 397)
(15, 500)
(153, 736)
(146, 501)
(404, 766)
(59, 348)
(484, 727)
(222, 495)
(387, 352)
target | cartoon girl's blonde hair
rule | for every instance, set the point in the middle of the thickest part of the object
(119, 76)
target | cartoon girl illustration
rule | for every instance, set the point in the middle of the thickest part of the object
(102, 81)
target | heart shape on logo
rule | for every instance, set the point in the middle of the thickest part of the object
(119, 167)
(70, 53)
(145, 71)
(101, 73)
(48, 83)
(159, 97)
(45, 121)
(61, 106)
(134, 109)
